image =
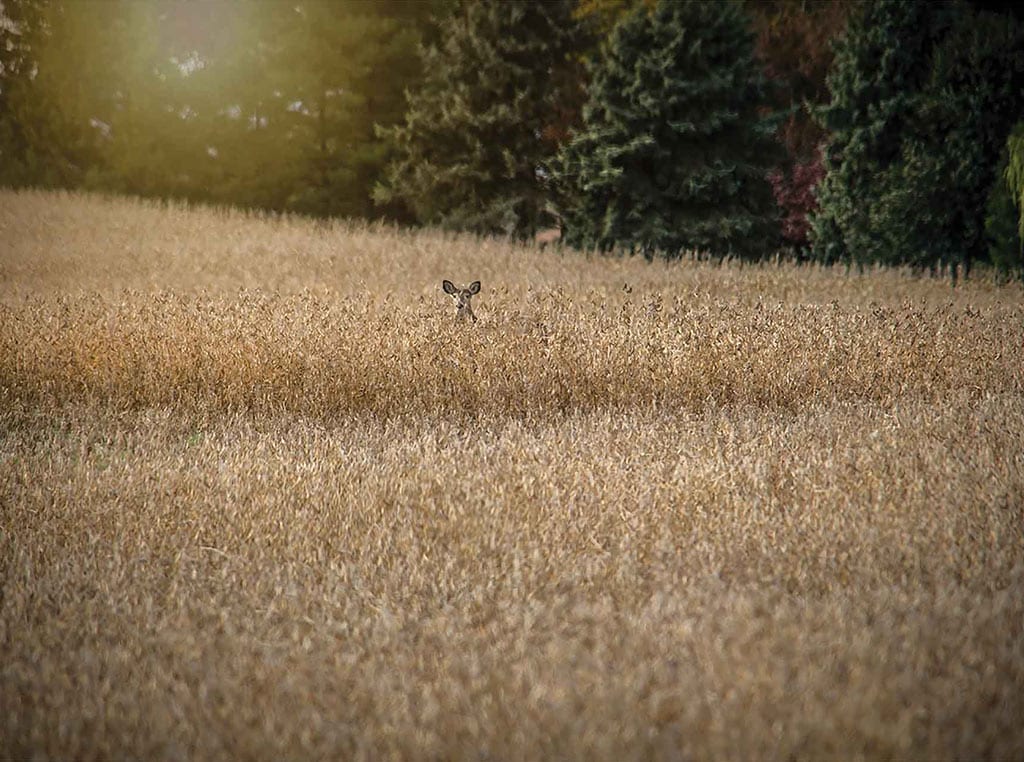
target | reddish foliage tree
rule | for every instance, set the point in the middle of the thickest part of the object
(794, 193)
(794, 40)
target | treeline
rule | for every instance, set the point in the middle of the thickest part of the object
(271, 104)
(884, 131)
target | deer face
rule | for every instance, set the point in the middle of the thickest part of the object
(462, 297)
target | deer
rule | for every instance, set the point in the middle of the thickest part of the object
(462, 297)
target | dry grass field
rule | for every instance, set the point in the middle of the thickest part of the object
(262, 497)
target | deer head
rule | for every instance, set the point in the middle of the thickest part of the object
(462, 297)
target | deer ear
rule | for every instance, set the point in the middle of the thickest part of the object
(474, 287)
(448, 286)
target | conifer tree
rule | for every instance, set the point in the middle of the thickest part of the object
(923, 98)
(344, 67)
(674, 150)
(472, 150)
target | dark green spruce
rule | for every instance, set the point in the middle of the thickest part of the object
(476, 136)
(675, 148)
(923, 97)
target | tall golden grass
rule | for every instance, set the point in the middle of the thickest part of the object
(262, 496)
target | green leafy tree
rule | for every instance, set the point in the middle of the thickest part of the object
(103, 104)
(43, 141)
(471, 152)
(1014, 173)
(923, 97)
(18, 21)
(237, 126)
(674, 150)
(281, 105)
(1004, 221)
(132, 97)
(268, 105)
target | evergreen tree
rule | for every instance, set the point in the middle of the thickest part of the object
(471, 152)
(674, 150)
(879, 62)
(923, 97)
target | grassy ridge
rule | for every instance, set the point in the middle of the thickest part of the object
(261, 497)
(321, 356)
